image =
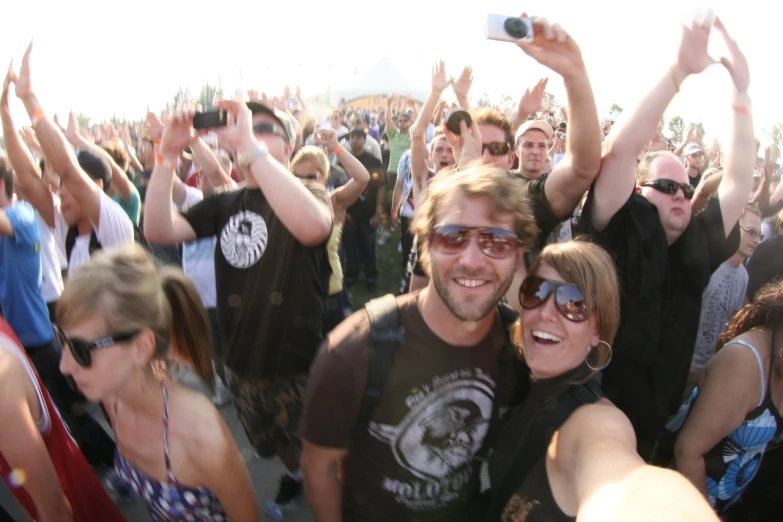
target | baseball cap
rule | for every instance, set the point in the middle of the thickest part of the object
(358, 131)
(692, 148)
(540, 125)
(282, 118)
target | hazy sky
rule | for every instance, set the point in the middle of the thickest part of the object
(105, 58)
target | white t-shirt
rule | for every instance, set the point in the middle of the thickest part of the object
(198, 257)
(50, 263)
(115, 228)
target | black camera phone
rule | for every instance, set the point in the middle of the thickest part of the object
(207, 120)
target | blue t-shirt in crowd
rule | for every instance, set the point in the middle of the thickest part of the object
(21, 278)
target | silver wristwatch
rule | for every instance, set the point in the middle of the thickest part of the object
(245, 159)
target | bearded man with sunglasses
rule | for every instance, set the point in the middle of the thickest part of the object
(416, 458)
(665, 254)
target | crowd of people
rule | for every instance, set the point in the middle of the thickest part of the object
(586, 325)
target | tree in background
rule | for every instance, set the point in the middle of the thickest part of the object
(677, 129)
(483, 101)
(209, 95)
(615, 109)
(84, 120)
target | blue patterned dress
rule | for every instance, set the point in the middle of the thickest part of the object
(734, 461)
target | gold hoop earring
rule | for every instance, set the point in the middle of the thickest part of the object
(606, 363)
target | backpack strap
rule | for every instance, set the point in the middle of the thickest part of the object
(536, 446)
(386, 335)
(70, 241)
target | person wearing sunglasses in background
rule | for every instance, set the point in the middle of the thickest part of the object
(442, 388)
(726, 292)
(562, 450)
(119, 320)
(665, 254)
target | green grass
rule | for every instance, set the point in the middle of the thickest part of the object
(389, 263)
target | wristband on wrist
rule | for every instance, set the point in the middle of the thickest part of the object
(741, 109)
(338, 150)
(156, 143)
(36, 116)
(159, 160)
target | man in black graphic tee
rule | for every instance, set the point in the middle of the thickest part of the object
(271, 271)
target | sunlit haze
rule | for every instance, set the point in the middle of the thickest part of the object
(105, 58)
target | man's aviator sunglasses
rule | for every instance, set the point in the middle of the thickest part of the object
(269, 128)
(496, 243)
(669, 186)
(569, 299)
(82, 350)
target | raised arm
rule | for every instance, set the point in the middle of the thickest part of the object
(161, 223)
(119, 179)
(600, 477)
(531, 102)
(632, 132)
(390, 113)
(461, 87)
(553, 47)
(762, 195)
(344, 196)
(737, 181)
(22, 161)
(308, 219)
(419, 152)
(55, 147)
(209, 163)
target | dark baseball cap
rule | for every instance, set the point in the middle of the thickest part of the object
(358, 131)
(282, 118)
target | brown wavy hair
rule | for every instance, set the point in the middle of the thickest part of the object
(766, 311)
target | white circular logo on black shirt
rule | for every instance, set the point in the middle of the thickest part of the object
(243, 239)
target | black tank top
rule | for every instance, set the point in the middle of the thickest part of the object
(533, 501)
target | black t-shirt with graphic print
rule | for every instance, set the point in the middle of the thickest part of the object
(270, 288)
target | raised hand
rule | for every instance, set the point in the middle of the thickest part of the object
(462, 86)
(238, 134)
(252, 95)
(23, 83)
(328, 138)
(298, 94)
(154, 127)
(10, 76)
(439, 79)
(692, 57)
(735, 63)
(466, 145)
(552, 47)
(286, 94)
(72, 130)
(532, 100)
(177, 134)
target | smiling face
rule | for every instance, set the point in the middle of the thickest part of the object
(552, 344)
(469, 282)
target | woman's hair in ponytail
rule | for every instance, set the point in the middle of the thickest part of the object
(765, 310)
(190, 335)
(125, 287)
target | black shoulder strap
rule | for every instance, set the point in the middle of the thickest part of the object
(536, 446)
(386, 335)
(70, 241)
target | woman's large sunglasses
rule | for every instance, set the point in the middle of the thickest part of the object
(496, 243)
(669, 186)
(569, 299)
(81, 350)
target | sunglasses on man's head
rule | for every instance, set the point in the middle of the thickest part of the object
(82, 350)
(496, 148)
(496, 243)
(669, 186)
(569, 299)
(753, 233)
(269, 128)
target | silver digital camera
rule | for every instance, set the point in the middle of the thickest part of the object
(508, 28)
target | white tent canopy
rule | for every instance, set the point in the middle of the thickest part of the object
(382, 80)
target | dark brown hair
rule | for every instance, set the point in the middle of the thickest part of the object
(766, 311)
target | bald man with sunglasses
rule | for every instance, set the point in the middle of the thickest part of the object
(664, 253)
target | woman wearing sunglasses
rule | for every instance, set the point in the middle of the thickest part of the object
(560, 447)
(119, 320)
(311, 163)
